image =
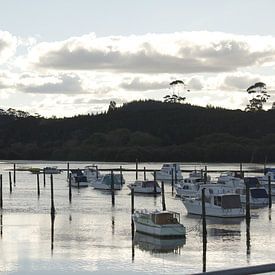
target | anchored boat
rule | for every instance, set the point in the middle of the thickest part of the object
(159, 223)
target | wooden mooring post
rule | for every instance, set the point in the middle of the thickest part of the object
(70, 188)
(163, 196)
(205, 175)
(144, 173)
(1, 192)
(269, 193)
(14, 174)
(172, 180)
(112, 188)
(10, 181)
(38, 185)
(136, 169)
(204, 230)
(176, 176)
(68, 170)
(121, 175)
(44, 177)
(52, 197)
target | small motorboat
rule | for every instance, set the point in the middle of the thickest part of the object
(145, 187)
(78, 179)
(169, 171)
(105, 182)
(159, 223)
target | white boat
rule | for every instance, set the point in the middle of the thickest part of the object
(159, 223)
(105, 181)
(231, 178)
(189, 187)
(218, 205)
(78, 179)
(269, 172)
(145, 187)
(258, 196)
(51, 170)
(91, 172)
(167, 170)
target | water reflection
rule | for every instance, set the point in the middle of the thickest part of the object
(157, 245)
(52, 232)
(1, 223)
(113, 225)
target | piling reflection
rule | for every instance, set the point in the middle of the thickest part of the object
(157, 245)
(52, 232)
(248, 244)
(113, 225)
(1, 224)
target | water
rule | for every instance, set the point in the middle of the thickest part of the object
(92, 236)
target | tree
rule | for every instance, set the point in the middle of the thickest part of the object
(177, 86)
(259, 97)
(112, 106)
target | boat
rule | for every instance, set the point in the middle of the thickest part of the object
(78, 179)
(169, 171)
(216, 205)
(159, 223)
(158, 245)
(269, 172)
(105, 181)
(51, 170)
(145, 187)
(258, 196)
(190, 186)
(34, 170)
(91, 172)
(230, 177)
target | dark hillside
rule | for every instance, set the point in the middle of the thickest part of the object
(150, 131)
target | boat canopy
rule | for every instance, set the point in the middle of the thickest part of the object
(107, 179)
(231, 201)
(150, 183)
(164, 218)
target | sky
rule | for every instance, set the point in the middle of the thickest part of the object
(68, 57)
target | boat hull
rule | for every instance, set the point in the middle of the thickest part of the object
(81, 184)
(195, 207)
(103, 186)
(162, 231)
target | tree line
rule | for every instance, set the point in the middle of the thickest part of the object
(147, 130)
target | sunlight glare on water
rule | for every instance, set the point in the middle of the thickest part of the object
(90, 235)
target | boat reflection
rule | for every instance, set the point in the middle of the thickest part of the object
(157, 245)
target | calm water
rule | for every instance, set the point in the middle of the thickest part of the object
(92, 236)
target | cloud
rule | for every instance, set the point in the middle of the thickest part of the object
(137, 84)
(186, 52)
(8, 45)
(239, 81)
(62, 84)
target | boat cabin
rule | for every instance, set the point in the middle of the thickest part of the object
(228, 201)
(165, 217)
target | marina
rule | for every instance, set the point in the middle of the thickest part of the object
(90, 234)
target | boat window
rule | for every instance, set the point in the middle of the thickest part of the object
(217, 200)
(258, 193)
(231, 201)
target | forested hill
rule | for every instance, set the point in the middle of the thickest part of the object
(149, 131)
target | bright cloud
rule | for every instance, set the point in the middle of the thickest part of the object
(8, 45)
(85, 73)
(186, 52)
